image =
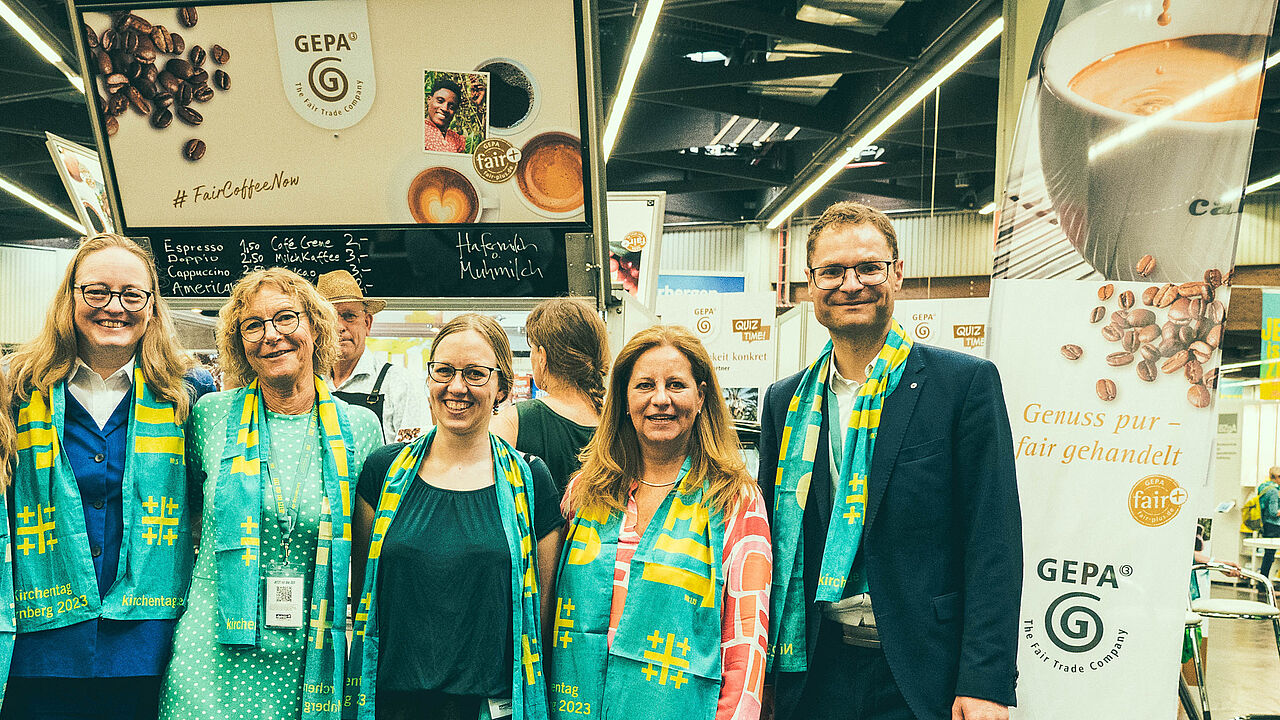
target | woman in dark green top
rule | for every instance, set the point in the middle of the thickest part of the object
(569, 348)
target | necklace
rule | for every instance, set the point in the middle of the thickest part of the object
(666, 484)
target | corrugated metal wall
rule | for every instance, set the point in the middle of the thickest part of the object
(703, 248)
(1260, 232)
(28, 278)
(942, 245)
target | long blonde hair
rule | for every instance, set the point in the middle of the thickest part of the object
(8, 435)
(50, 357)
(612, 460)
(236, 371)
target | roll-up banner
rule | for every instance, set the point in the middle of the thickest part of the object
(1117, 226)
(1269, 372)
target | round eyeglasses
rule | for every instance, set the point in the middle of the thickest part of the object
(98, 295)
(474, 375)
(869, 274)
(285, 322)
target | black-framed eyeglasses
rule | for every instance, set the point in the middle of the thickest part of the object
(868, 273)
(98, 295)
(285, 322)
(474, 375)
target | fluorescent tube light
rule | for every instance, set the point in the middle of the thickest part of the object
(635, 58)
(750, 126)
(852, 151)
(987, 209)
(38, 44)
(724, 130)
(44, 207)
(769, 133)
(1261, 184)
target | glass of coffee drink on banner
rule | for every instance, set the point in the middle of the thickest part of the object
(1146, 127)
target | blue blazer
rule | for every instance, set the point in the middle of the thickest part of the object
(942, 543)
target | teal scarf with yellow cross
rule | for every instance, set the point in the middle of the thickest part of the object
(238, 518)
(664, 661)
(513, 483)
(788, 651)
(54, 580)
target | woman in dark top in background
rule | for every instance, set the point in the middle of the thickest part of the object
(569, 347)
(450, 618)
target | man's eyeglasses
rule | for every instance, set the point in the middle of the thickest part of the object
(474, 375)
(285, 322)
(98, 295)
(869, 273)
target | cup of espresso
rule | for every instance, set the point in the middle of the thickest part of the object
(550, 174)
(443, 195)
(1146, 129)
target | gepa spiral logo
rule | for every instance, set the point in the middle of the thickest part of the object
(1072, 635)
(326, 61)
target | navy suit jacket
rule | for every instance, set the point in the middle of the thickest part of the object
(942, 541)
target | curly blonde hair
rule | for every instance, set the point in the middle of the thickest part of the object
(612, 460)
(236, 371)
(50, 357)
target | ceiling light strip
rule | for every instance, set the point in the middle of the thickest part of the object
(750, 126)
(635, 59)
(983, 39)
(37, 43)
(44, 207)
(769, 133)
(724, 130)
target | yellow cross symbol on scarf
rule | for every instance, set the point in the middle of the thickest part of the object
(250, 539)
(166, 519)
(320, 623)
(666, 659)
(36, 523)
(527, 658)
(562, 623)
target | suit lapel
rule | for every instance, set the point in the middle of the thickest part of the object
(894, 418)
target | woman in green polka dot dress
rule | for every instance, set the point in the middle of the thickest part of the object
(264, 631)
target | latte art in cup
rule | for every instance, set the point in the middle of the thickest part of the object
(443, 195)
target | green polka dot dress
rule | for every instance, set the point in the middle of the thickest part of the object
(209, 680)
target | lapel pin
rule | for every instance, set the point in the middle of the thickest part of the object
(913, 386)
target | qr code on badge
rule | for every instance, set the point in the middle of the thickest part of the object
(284, 593)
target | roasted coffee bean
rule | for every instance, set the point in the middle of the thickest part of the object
(1149, 295)
(193, 149)
(90, 37)
(1111, 333)
(1213, 338)
(1120, 318)
(203, 93)
(1170, 329)
(199, 77)
(196, 55)
(1097, 314)
(1168, 346)
(1178, 311)
(1106, 291)
(138, 102)
(1193, 371)
(1186, 334)
(1118, 359)
(168, 81)
(1196, 324)
(103, 61)
(219, 54)
(162, 119)
(1216, 312)
(1129, 340)
(135, 23)
(1198, 396)
(113, 125)
(221, 79)
(179, 45)
(1145, 265)
(180, 68)
(133, 70)
(1106, 390)
(146, 50)
(1201, 350)
(188, 17)
(108, 40)
(1141, 317)
(189, 115)
(1196, 307)
(1149, 353)
(162, 100)
(1196, 289)
(121, 60)
(161, 38)
(117, 103)
(1071, 352)
(129, 42)
(1210, 379)
(183, 95)
(116, 81)
(1166, 295)
(1126, 299)
(1213, 276)
(148, 89)
(1146, 371)
(1175, 362)
(149, 72)
(1149, 333)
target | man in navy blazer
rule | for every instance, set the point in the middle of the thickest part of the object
(935, 636)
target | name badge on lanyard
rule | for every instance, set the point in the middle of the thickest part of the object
(500, 708)
(283, 596)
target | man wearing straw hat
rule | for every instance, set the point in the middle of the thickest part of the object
(395, 394)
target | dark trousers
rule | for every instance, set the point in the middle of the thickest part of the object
(131, 698)
(426, 705)
(846, 682)
(1268, 555)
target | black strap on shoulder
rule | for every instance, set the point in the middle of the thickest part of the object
(377, 386)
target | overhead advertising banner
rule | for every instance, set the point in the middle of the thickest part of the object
(738, 331)
(81, 174)
(1116, 230)
(953, 323)
(1269, 371)
(363, 125)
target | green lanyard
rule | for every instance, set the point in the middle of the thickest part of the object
(288, 519)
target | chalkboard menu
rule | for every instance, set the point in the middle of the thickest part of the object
(459, 262)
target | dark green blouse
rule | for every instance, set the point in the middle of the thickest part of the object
(552, 437)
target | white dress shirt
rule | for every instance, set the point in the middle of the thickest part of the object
(404, 392)
(100, 396)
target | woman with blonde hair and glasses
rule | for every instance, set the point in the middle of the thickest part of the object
(569, 350)
(666, 517)
(102, 557)
(264, 634)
